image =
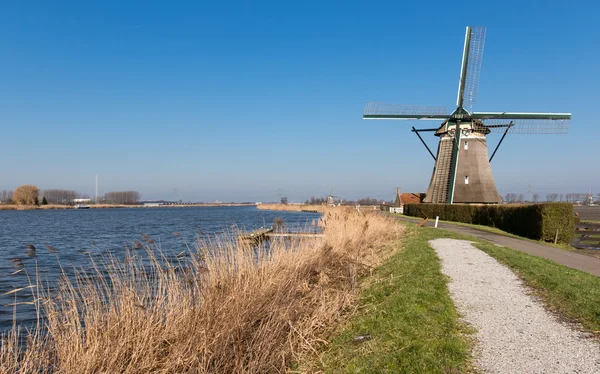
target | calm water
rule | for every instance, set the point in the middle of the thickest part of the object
(79, 234)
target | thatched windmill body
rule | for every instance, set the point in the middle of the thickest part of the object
(462, 172)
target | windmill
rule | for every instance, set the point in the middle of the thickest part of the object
(462, 172)
(330, 198)
(590, 198)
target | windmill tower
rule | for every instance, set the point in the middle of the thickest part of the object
(462, 172)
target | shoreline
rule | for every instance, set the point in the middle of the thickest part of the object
(239, 309)
(294, 208)
(13, 207)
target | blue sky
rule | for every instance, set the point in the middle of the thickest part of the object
(248, 101)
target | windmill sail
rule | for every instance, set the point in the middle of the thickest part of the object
(528, 126)
(471, 66)
(525, 123)
(407, 112)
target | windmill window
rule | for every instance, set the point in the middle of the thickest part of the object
(466, 145)
(467, 180)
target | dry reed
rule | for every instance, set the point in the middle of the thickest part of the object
(224, 309)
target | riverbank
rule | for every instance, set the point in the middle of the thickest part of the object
(406, 321)
(219, 308)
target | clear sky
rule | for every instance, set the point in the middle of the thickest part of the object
(253, 100)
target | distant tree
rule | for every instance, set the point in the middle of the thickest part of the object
(536, 197)
(552, 197)
(6, 196)
(44, 201)
(122, 197)
(315, 200)
(521, 198)
(367, 201)
(58, 196)
(284, 200)
(26, 194)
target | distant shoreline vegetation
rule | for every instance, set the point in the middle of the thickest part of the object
(30, 197)
(117, 206)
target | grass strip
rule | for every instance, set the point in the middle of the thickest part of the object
(493, 230)
(408, 317)
(572, 293)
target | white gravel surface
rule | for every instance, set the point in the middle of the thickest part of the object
(515, 334)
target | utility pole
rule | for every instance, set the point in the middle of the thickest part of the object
(96, 198)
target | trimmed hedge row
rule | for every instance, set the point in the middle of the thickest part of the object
(535, 221)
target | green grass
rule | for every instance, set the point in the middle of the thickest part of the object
(572, 293)
(412, 321)
(409, 315)
(494, 230)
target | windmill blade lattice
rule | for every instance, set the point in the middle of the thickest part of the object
(528, 126)
(474, 67)
(399, 111)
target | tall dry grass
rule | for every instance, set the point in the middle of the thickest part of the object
(224, 309)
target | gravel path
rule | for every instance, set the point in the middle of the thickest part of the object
(515, 334)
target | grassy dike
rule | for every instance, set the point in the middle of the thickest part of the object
(410, 320)
(408, 316)
(572, 293)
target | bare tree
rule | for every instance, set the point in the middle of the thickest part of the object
(521, 198)
(367, 201)
(552, 197)
(6, 196)
(536, 197)
(316, 200)
(57, 196)
(122, 197)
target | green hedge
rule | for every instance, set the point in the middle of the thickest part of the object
(535, 221)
